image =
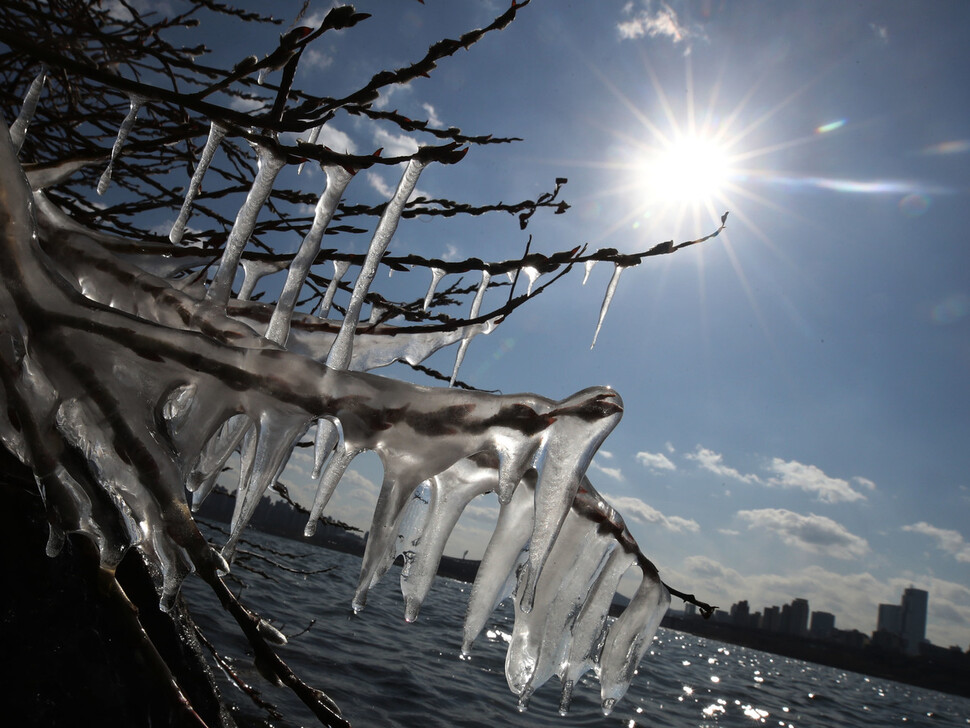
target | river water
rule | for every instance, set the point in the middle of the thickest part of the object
(384, 672)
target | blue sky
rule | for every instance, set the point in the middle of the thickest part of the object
(796, 390)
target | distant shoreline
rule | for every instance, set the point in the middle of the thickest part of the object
(944, 670)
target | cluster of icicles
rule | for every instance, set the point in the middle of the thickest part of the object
(126, 385)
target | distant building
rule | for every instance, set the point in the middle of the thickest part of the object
(771, 619)
(740, 613)
(823, 624)
(798, 621)
(914, 619)
(890, 619)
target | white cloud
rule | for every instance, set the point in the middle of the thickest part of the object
(380, 184)
(387, 92)
(652, 19)
(312, 59)
(864, 482)
(377, 181)
(338, 141)
(947, 540)
(714, 463)
(812, 533)
(880, 31)
(395, 145)
(635, 509)
(433, 119)
(655, 461)
(246, 105)
(615, 473)
(793, 474)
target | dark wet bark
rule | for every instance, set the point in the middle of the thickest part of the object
(73, 651)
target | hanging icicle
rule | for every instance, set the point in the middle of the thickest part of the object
(279, 326)
(466, 340)
(340, 268)
(18, 130)
(270, 162)
(610, 290)
(532, 274)
(436, 275)
(589, 267)
(216, 134)
(135, 104)
(342, 349)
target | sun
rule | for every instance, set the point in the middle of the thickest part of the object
(690, 170)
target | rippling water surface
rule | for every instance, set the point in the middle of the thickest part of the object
(384, 672)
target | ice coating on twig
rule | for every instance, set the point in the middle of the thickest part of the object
(605, 306)
(436, 275)
(18, 130)
(135, 104)
(216, 134)
(270, 162)
(279, 325)
(189, 383)
(467, 338)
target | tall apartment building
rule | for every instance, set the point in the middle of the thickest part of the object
(914, 618)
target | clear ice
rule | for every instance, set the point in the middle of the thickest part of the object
(610, 290)
(217, 133)
(18, 130)
(134, 105)
(155, 387)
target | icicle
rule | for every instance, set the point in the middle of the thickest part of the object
(535, 649)
(610, 290)
(561, 463)
(532, 274)
(496, 573)
(476, 306)
(590, 625)
(342, 349)
(18, 130)
(314, 135)
(270, 164)
(135, 103)
(264, 456)
(629, 637)
(510, 274)
(216, 134)
(436, 275)
(340, 267)
(253, 272)
(377, 311)
(279, 325)
(589, 267)
(331, 477)
(451, 491)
